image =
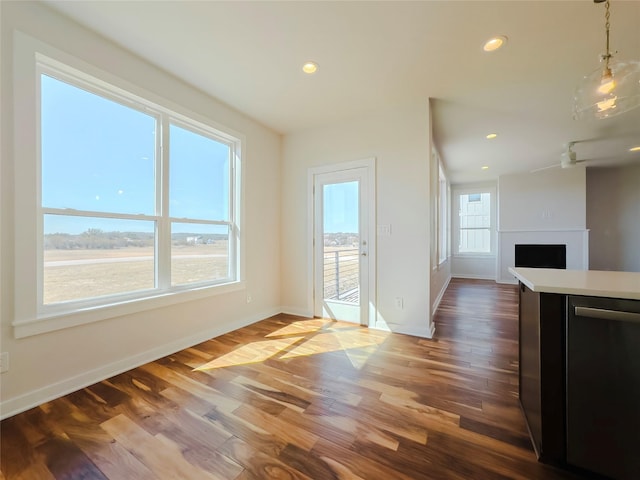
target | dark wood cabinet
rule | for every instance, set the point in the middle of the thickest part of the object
(603, 386)
(580, 381)
(542, 368)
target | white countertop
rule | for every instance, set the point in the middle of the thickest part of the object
(592, 283)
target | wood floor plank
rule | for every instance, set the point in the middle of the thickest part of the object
(199, 453)
(275, 394)
(221, 402)
(297, 398)
(308, 463)
(65, 460)
(319, 425)
(282, 430)
(194, 430)
(157, 453)
(308, 388)
(258, 464)
(188, 402)
(257, 436)
(109, 456)
(348, 464)
(385, 420)
(34, 471)
(518, 439)
(223, 382)
(18, 448)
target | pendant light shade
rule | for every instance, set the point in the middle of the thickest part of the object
(608, 92)
(612, 89)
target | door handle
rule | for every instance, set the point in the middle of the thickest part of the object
(607, 314)
(364, 254)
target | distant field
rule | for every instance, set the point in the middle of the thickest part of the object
(62, 255)
(77, 274)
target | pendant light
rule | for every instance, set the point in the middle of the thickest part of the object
(612, 89)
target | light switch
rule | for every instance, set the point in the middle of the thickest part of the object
(384, 230)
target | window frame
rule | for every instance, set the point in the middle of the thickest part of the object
(32, 59)
(473, 190)
(444, 201)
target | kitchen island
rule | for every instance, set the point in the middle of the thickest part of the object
(579, 342)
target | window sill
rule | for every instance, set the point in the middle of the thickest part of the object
(437, 267)
(58, 321)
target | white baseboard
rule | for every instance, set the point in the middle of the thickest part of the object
(414, 332)
(473, 277)
(298, 312)
(42, 395)
(438, 299)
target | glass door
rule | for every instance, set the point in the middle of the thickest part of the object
(341, 253)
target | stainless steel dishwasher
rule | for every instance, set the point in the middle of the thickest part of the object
(603, 386)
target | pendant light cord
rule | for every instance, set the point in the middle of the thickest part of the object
(607, 24)
(606, 93)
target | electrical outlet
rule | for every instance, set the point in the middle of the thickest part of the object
(249, 298)
(399, 303)
(4, 362)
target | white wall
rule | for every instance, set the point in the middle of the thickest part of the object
(473, 266)
(552, 199)
(399, 140)
(51, 364)
(547, 207)
(613, 218)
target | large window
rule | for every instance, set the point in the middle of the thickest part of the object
(475, 222)
(135, 199)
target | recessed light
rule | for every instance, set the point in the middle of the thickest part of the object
(485, 167)
(494, 43)
(310, 67)
(635, 149)
(491, 136)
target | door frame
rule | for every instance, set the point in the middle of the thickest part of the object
(370, 165)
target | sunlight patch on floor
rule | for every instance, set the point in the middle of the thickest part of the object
(253, 352)
(357, 343)
(309, 337)
(301, 327)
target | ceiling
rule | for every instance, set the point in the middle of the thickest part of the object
(376, 55)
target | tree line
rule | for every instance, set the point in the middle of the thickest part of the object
(95, 238)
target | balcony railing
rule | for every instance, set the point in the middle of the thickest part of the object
(342, 275)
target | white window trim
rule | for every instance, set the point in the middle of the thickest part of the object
(444, 216)
(29, 319)
(456, 191)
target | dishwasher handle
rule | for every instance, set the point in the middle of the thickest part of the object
(605, 314)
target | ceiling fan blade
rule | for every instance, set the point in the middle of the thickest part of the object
(596, 160)
(556, 165)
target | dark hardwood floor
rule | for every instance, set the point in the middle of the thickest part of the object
(293, 398)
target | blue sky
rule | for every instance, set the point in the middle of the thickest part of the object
(341, 207)
(98, 155)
